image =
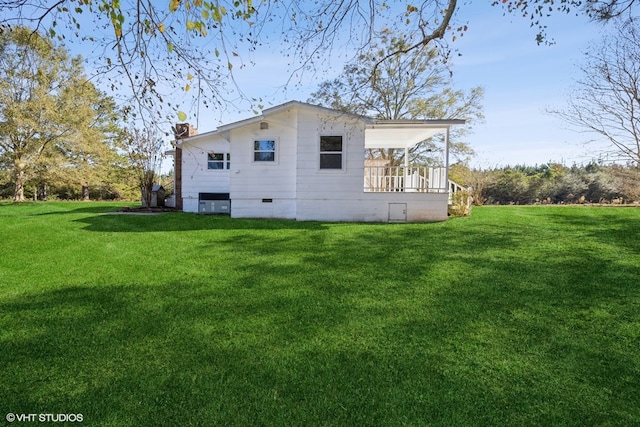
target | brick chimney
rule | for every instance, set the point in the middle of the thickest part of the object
(184, 130)
(180, 131)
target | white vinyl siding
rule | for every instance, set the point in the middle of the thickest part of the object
(197, 177)
(254, 181)
(284, 170)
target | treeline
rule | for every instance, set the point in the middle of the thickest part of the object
(551, 183)
(61, 137)
(116, 184)
(63, 191)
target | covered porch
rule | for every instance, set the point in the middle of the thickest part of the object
(381, 176)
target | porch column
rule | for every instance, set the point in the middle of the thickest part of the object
(406, 182)
(446, 158)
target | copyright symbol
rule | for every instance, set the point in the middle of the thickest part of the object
(11, 417)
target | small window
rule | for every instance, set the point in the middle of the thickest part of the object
(218, 161)
(331, 152)
(264, 150)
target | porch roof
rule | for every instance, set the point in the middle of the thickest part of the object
(404, 133)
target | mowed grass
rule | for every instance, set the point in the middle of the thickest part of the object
(514, 316)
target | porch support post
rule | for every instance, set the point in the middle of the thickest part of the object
(406, 182)
(446, 158)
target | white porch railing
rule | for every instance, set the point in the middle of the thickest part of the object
(454, 187)
(409, 179)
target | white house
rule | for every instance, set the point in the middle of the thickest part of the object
(305, 162)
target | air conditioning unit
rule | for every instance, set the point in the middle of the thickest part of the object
(214, 203)
(214, 206)
(205, 206)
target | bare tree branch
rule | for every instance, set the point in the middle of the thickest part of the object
(606, 101)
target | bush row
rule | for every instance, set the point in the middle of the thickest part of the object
(552, 183)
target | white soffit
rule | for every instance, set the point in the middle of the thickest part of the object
(403, 134)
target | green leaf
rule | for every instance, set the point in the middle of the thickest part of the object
(182, 116)
(217, 16)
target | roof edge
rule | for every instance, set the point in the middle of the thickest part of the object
(369, 122)
(417, 123)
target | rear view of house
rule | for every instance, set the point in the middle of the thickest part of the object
(305, 162)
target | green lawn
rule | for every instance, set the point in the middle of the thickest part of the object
(514, 316)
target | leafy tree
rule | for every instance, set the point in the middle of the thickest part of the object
(87, 161)
(554, 183)
(606, 101)
(475, 179)
(629, 177)
(510, 186)
(198, 41)
(49, 113)
(415, 85)
(145, 150)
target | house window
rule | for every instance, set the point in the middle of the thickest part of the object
(264, 150)
(331, 152)
(218, 161)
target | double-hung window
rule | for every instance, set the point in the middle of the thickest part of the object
(218, 161)
(330, 152)
(264, 150)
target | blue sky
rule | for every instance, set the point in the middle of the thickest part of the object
(521, 81)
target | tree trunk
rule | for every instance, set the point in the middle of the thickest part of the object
(146, 187)
(42, 191)
(85, 192)
(19, 180)
(146, 196)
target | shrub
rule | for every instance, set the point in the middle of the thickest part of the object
(461, 203)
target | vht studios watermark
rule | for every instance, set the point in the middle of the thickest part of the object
(44, 418)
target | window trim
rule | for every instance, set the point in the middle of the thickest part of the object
(342, 153)
(276, 143)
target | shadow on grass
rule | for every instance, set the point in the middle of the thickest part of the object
(340, 324)
(57, 208)
(337, 325)
(107, 217)
(179, 221)
(613, 225)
